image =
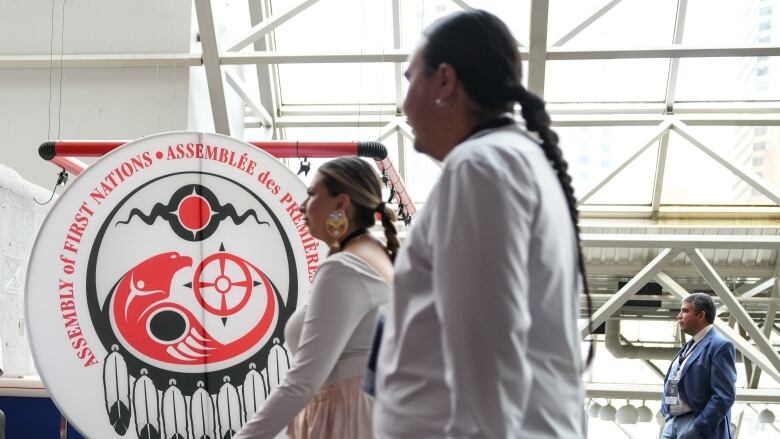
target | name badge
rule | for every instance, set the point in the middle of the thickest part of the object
(671, 392)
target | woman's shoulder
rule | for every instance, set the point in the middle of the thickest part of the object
(347, 263)
(352, 276)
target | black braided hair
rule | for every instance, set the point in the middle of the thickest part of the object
(481, 49)
(538, 121)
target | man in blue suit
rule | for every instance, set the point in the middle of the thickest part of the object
(700, 386)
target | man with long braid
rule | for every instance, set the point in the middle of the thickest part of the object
(482, 340)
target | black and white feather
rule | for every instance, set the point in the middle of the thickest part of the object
(278, 365)
(202, 419)
(146, 409)
(174, 413)
(116, 389)
(254, 391)
(228, 410)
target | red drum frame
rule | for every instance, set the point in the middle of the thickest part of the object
(65, 154)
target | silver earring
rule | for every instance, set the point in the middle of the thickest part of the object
(439, 102)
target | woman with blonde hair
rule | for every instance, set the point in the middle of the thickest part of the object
(330, 336)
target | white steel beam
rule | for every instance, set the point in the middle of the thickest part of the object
(769, 321)
(655, 110)
(330, 121)
(676, 270)
(275, 57)
(402, 168)
(711, 212)
(663, 128)
(736, 309)
(671, 85)
(537, 47)
(314, 58)
(681, 241)
(465, 6)
(623, 108)
(747, 176)
(751, 291)
(629, 119)
(337, 110)
(406, 130)
(674, 63)
(630, 288)
(399, 74)
(258, 11)
(769, 324)
(258, 31)
(727, 107)
(634, 120)
(208, 40)
(388, 130)
(660, 168)
(585, 24)
(679, 51)
(735, 107)
(745, 347)
(102, 61)
(614, 119)
(257, 109)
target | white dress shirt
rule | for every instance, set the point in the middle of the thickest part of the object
(330, 338)
(482, 338)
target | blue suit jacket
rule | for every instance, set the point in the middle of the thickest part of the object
(708, 385)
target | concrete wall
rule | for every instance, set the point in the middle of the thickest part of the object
(108, 103)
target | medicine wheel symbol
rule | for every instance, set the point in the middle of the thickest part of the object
(223, 287)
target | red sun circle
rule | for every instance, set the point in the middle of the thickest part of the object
(194, 212)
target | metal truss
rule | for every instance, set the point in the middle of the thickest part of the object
(586, 23)
(537, 53)
(267, 76)
(662, 132)
(256, 47)
(758, 349)
(211, 63)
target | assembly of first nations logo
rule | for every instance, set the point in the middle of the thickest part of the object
(160, 284)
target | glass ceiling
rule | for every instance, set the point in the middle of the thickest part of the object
(605, 105)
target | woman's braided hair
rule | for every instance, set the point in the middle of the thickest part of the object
(481, 49)
(356, 178)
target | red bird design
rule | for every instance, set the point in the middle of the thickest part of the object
(167, 331)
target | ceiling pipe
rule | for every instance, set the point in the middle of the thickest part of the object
(620, 350)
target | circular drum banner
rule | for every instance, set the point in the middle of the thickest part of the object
(160, 283)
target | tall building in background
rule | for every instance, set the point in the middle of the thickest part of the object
(758, 148)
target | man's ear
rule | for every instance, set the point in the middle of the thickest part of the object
(447, 83)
